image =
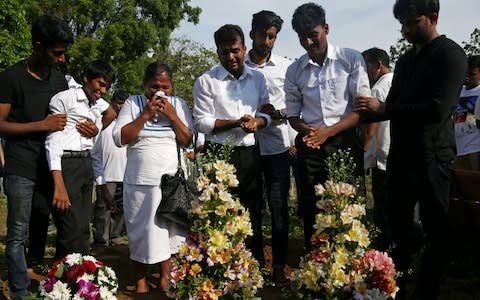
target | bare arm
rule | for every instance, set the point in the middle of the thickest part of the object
(61, 201)
(50, 123)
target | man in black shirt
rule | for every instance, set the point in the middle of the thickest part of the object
(425, 88)
(25, 92)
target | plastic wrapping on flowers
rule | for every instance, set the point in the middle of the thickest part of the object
(341, 265)
(213, 263)
(79, 277)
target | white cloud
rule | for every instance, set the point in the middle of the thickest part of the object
(358, 24)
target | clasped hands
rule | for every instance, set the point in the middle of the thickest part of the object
(248, 123)
(57, 122)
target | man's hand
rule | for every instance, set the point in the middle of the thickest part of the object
(368, 104)
(248, 124)
(316, 137)
(55, 122)
(87, 128)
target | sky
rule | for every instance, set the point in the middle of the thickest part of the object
(357, 24)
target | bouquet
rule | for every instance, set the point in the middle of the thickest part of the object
(213, 263)
(79, 277)
(341, 265)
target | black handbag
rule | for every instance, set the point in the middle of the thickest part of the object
(178, 193)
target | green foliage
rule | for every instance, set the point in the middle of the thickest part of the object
(15, 38)
(218, 152)
(340, 166)
(187, 60)
(473, 46)
(122, 32)
(398, 49)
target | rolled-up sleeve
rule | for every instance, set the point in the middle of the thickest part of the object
(124, 117)
(204, 107)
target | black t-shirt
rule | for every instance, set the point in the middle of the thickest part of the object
(29, 99)
(421, 101)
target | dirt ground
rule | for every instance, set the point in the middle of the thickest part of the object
(117, 257)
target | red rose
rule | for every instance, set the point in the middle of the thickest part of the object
(89, 266)
(73, 272)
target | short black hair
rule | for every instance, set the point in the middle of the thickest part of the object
(406, 9)
(228, 34)
(265, 19)
(374, 54)
(308, 16)
(120, 95)
(49, 30)
(473, 61)
(155, 68)
(99, 69)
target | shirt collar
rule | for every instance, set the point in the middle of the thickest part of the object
(272, 61)
(331, 55)
(224, 74)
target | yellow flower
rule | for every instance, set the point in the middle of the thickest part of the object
(195, 269)
(221, 210)
(202, 182)
(218, 239)
(184, 249)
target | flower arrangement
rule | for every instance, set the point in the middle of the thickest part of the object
(79, 277)
(213, 263)
(341, 266)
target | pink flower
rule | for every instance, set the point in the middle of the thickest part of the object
(73, 273)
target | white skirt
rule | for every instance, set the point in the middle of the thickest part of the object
(150, 240)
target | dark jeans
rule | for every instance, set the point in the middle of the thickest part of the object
(276, 170)
(19, 191)
(427, 184)
(296, 175)
(313, 171)
(73, 227)
(108, 226)
(250, 191)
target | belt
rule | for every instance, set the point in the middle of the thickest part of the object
(75, 154)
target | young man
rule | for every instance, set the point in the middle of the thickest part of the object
(420, 107)
(273, 141)
(320, 90)
(377, 136)
(25, 92)
(109, 162)
(68, 155)
(467, 135)
(227, 109)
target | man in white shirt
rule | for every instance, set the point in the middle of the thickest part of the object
(320, 90)
(377, 136)
(109, 162)
(273, 141)
(68, 156)
(227, 102)
(467, 134)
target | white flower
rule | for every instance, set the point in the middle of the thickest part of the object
(60, 291)
(106, 294)
(73, 259)
(90, 258)
(319, 189)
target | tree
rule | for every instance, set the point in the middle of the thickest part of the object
(119, 31)
(473, 47)
(188, 60)
(15, 38)
(398, 49)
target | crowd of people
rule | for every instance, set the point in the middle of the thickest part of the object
(406, 126)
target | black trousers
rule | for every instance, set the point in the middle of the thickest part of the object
(313, 171)
(428, 184)
(379, 194)
(73, 227)
(247, 163)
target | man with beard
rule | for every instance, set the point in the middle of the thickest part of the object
(227, 100)
(273, 141)
(425, 88)
(320, 90)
